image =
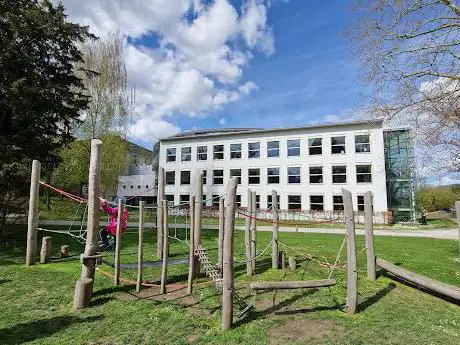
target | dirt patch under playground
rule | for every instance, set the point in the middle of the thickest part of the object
(302, 330)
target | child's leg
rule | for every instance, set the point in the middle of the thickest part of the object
(104, 238)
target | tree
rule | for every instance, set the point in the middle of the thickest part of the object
(40, 94)
(434, 199)
(410, 51)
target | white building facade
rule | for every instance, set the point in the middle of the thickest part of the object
(307, 166)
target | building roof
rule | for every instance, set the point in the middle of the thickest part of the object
(233, 131)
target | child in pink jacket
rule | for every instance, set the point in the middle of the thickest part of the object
(111, 227)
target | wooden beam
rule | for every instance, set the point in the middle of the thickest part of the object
(116, 279)
(275, 219)
(221, 231)
(140, 247)
(247, 234)
(64, 252)
(191, 269)
(422, 281)
(369, 228)
(164, 266)
(295, 284)
(45, 251)
(32, 220)
(253, 232)
(160, 199)
(457, 208)
(197, 220)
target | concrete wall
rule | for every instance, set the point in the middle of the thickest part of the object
(140, 185)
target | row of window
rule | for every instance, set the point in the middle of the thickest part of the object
(315, 147)
(294, 201)
(294, 176)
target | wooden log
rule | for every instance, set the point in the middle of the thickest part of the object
(221, 231)
(247, 234)
(296, 284)
(83, 293)
(45, 251)
(140, 248)
(64, 252)
(275, 219)
(116, 279)
(228, 269)
(352, 281)
(92, 226)
(197, 220)
(160, 199)
(420, 280)
(32, 220)
(164, 266)
(457, 208)
(292, 264)
(191, 269)
(253, 232)
(282, 259)
(369, 228)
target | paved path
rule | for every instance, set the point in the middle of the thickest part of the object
(445, 234)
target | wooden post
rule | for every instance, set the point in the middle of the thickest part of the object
(457, 208)
(352, 282)
(118, 243)
(282, 259)
(228, 270)
(84, 286)
(276, 218)
(247, 234)
(160, 198)
(221, 230)
(369, 226)
(140, 250)
(253, 232)
(197, 220)
(64, 252)
(45, 250)
(164, 266)
(32, 220)
(292, 264)
(191, 269)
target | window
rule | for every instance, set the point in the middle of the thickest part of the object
(218, 177)
(236, 173)
(293, 174)
(171, 155)
(362, 143)
(202, 153)
(238, 200)
(218, 152)
(361, 203)
(186, 154)
(294, 202)
(315, 146)
(316, 202)
(273, 175)
(257, 202)
(273, 149)
(170, 198)
(184, 198)
(235, 151)
(170, 177)
(363, 173)
(269, 201)
(254, 150)
(339, 174)
(338, 145)
(204, 177)
(337, 203)
(185, 177)
(293, 147)
(203, 199)
(215, 200)
(254, 176)
(316, 174)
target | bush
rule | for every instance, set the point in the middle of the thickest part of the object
(436, 198)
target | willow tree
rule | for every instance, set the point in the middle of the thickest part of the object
(410, 53)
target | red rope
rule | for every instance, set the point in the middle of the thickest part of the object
(63, 192)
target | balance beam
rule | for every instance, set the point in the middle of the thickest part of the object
(422, 281)
(295, 284)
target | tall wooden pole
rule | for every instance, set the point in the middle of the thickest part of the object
(275, 244)
(221, 230)
(457, 207)
(32, 220)
(247, 234)
(228, 270)
(164, 267)
(197, 220)
(352, 282)
(116, 279)
(191, 269)
(253, 232)
(84, 286)
(160, 199)
(369, 226)
(140, 249)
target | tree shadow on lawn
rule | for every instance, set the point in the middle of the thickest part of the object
(25, 332)
(376, 297)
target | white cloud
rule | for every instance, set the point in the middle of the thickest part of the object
(196, 62)
(150, 130)
(223, 121)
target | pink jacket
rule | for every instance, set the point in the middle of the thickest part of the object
(113, 214)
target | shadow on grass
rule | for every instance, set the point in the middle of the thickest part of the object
(101, 301)
(111, 290)
(4, 281)
(375, 298)
(25, 332)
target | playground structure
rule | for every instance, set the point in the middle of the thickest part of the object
(221, 275)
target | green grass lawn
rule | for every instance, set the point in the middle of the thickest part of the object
(36, 302)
